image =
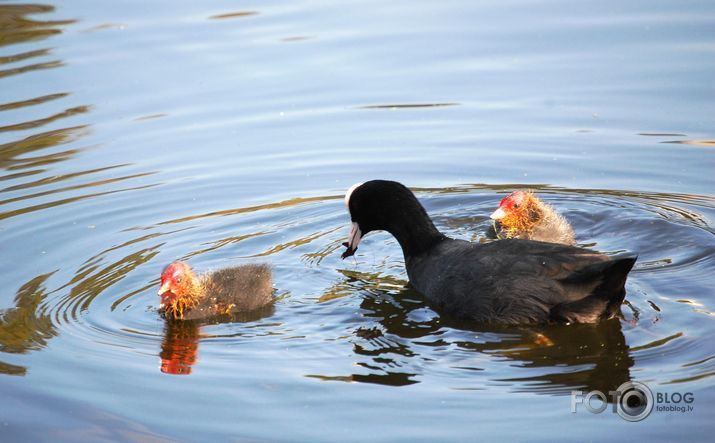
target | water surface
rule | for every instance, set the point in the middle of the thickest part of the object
(136, 133)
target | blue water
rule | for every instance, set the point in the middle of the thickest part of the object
(136, 133)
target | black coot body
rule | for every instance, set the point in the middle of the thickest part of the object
(504, 282)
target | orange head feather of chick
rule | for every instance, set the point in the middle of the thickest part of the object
(518, 212)
(180, 289)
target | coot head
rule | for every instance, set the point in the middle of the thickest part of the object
(387, 205)
(178, 283)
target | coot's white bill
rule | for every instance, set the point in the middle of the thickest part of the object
(353, 240)
(498, 214)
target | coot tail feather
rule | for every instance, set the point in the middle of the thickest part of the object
(605, 299)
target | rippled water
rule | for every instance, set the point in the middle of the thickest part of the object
(136, 133)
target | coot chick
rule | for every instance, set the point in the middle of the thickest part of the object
(185, 295)
(505, 282)
(522, 215)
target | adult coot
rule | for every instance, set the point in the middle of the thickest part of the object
(503, 282)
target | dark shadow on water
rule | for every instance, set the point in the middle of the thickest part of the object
(230, 15)
(180, 346)
(568, 357)
(394, 106)
(30, 415)
(405, 332)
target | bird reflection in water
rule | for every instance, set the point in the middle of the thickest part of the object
(180, 346)
(406, 337)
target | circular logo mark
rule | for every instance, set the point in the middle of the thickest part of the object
(635, 401)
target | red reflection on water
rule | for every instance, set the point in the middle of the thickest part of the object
(180, 347)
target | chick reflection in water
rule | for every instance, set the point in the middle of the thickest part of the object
(180, 346)
(179, 349)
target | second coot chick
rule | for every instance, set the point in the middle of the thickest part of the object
(504, 282)
(522, 215)
(226, 291)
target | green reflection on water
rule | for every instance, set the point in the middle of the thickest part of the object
(25, 327)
